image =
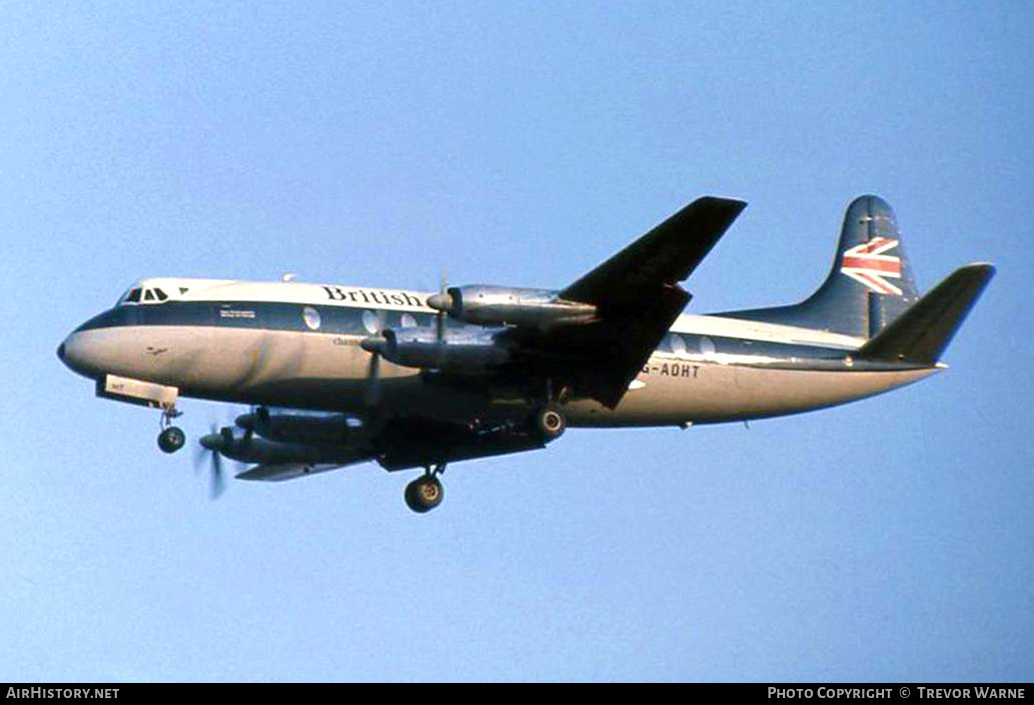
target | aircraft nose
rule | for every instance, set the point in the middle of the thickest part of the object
(73, 354)
(66, 351)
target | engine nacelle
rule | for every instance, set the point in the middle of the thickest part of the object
(291, 426)
(253, 449)
(420, 348)
(498, 305)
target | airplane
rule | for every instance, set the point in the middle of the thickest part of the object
(337, 375)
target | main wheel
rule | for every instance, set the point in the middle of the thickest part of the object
(171, 439)
(424, 494)
(549, 423)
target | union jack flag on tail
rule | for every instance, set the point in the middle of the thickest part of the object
(869, 264)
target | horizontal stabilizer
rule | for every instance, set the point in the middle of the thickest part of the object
(921, 333)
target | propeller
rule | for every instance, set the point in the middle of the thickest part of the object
(442, 303)
(214, 443)
(375, 344)
(256, 415)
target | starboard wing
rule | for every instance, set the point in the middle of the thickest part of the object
(637, 295)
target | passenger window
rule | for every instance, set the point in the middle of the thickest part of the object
(372, 322)
(678, 346)
(707, 347)
(311, 317)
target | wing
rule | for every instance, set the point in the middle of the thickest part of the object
(637, 296)
(278, 472)
(661, 258)
(395, 443)
(411, 442)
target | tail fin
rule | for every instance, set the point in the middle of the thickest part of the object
(869, 286)
(922, 333)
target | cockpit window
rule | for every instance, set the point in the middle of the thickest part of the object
(140, 294)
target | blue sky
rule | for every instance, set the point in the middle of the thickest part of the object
(520, 144)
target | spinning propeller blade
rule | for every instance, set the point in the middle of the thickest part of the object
(444, 298)
(216, 441)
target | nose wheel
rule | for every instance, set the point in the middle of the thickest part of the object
(172, 438)
(426, 492)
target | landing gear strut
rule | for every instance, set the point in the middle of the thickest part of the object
(426, 492)
(172, 437)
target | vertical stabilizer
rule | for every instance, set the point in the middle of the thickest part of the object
(870, 284)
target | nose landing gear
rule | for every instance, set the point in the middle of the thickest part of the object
(172, 438)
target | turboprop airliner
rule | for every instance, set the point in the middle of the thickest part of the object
(336, 375)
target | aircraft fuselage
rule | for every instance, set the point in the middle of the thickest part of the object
(291, 344)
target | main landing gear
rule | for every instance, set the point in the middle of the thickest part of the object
(172, 437)
(426, 492)
(548, 422)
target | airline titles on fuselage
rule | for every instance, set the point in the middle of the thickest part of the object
(370, 296)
